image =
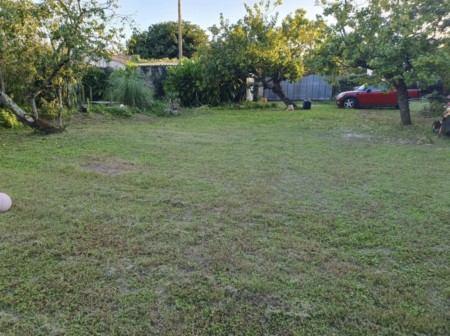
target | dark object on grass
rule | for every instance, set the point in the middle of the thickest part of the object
(307, 104)
(445, 127)
(83, 108)
(436, 125)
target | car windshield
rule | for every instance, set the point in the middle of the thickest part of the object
(361, 88)
(372, 88)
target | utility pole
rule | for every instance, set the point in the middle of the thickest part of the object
(180, 35)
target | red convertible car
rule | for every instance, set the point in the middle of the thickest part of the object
(371, 96)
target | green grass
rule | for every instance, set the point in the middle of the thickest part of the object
(227, 222)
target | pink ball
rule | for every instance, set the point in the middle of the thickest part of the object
(5, 202)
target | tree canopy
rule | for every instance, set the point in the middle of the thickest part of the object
(399, 41)
(255, 46)
(270, 53)
(161, 40)
(46, 45)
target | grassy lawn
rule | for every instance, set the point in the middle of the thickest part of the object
(227, 222)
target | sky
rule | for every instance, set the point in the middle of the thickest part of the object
(204, 13)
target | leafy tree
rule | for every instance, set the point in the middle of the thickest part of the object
(50, 41)
(267, 52)
(20, 46)
(161, 40)
(255, 46)
(399, 41)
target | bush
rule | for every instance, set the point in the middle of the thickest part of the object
(199, 82)
(96, 79)
(436, 105)
(128, 88)
(50, 109)
(184, 82)
(9, 120)
(158, 107)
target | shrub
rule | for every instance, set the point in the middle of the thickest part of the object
(50, 109)
(185, 83)
(96, 82)
(158, 107)
(199, 82)
(435, 106)
(9, 120)
(128, 88)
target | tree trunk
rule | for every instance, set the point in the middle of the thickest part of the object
(83, 96)
(403, 102)
(14, 108)
(2, 83)
(276, 88)
(60, 106)
(34, 111)
(37, 124)
(60, 97)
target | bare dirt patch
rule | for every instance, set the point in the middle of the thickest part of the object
(381, 139)
(110, 167)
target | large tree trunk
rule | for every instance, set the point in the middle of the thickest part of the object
(14, 108)
(276, 88)
(403, 102)
(37, 124)
(34, 111)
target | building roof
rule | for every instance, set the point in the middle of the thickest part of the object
(125, 59)
(120, 61)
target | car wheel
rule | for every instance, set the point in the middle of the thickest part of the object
(350, 103)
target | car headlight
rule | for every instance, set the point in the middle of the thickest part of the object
(339, 96)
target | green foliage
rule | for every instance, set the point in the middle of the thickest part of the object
(158, 107)
(8, 119)
(161, 40)
(399, 41)
(129, 88)
(253, 47)
(257, 47)
(96, 79)
(46, 44)
(185, 82)
(435, 106)
(275, 53)
(200, 82)
(21, 49)
(50, 109)
(96, 108)
(349, 82)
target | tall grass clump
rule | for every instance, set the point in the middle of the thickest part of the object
(129, 88)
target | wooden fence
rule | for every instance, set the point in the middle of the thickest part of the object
(311, 86)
